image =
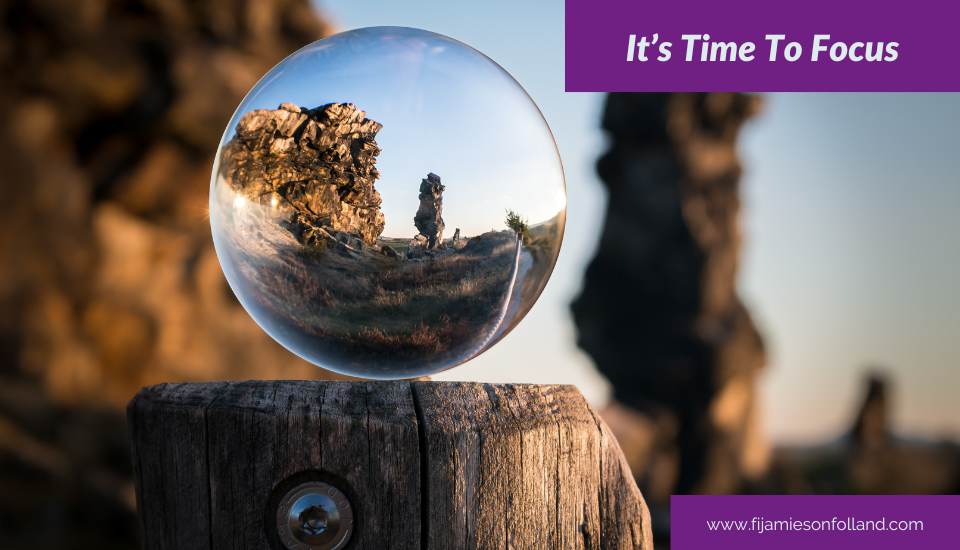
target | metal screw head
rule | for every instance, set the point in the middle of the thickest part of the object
(313, 520)
(314, 516)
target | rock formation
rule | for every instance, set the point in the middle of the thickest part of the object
(659, 312)
(456, 236)
(869, 459)
(871, 430)
(428, 220)
(870, 443)
(417, 248)
(316, 165)
(110, 116)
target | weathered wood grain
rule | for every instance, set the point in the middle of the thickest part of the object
(501, 466)
(208, 458)
(171, 469)
(524, 466)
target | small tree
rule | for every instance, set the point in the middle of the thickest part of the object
(517, 222)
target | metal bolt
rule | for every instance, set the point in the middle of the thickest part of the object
(315, 516)
(313, 520)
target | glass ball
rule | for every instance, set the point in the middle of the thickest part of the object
(387, 203)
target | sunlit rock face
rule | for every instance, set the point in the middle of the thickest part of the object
(317, 166)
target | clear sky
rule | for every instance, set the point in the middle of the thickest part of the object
(853, 255)
(851, 251)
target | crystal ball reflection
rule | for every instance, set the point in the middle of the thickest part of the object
(387, 203)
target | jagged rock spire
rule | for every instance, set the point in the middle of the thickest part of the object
(428, 219)
(315, 164)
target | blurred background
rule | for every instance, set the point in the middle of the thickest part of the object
(758, 292)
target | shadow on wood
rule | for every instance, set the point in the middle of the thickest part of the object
(425, 465)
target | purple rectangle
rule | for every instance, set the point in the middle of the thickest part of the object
(825, 522)
(598, 39)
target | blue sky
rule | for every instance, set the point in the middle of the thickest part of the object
(851, 253)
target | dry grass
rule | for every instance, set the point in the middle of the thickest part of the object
(380, 307)
(364, 308)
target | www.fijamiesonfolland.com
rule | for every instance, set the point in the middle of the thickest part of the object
(761, 525)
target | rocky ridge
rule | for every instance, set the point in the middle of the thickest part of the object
(316, 165)
(110, 116)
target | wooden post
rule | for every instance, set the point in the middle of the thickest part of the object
(424, 466)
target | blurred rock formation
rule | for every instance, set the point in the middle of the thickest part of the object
(870, 439)
(110, 115)
(659, 311)
(869, 458)
(871, 431)
(314, 165)
(660, 316)
(428, 220)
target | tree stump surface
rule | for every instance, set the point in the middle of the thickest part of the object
(425, 465)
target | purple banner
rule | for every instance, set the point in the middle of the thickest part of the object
(752, 45)
(814, 521)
